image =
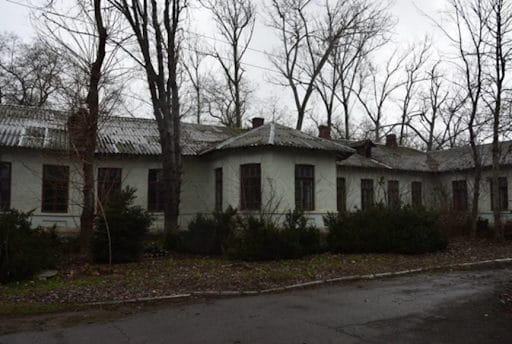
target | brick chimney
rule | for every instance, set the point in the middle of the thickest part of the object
(391, 141)
(324, 132)
(257, 122)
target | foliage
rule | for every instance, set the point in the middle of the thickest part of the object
(207, 234)
(261, 239)
(24, 250)
(379, 229)
(127, 225)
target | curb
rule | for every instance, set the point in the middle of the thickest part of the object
(228, 293)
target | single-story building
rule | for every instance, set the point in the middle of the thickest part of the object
(269, 169)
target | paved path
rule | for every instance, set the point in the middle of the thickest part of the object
(459, 307)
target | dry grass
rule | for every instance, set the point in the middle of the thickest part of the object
(178, 274)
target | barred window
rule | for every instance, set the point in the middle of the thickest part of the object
(393, 193)
(305, 187)
(502, 194)
(5, 185)
(55, 189)
(109, 183)
(218, 189)
(367, 193)
(460, 195)
(341, 194)
(156, 191)
(416, 194)
(250, 187)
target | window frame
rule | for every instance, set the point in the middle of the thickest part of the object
(156, 201)
(341, 194)
(503, 198)
(393, 190)
(52, 208)
(218, 188)
(417, 200)
(304, 181)
(460, 187)
(99, 191)
(371, 200)
(5, 202)
(247, 183)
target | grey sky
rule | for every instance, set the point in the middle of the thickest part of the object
(412, 26)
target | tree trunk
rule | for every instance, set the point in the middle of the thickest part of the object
(91, 126)
(87, 216)
(498, 227)
(475, 201)
(171, 163)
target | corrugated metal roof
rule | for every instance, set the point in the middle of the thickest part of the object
(273, 134)
(36, 128)
(29, 127)
(409, 159)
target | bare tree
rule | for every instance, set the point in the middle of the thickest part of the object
(78, 35)
(413, 78)
(469, 18)
(308, 36)
(30, 74)
(499, 26)
(235, 22)
(193, 65)
(157, 30)
(336, 82)
(375, 90)
(432, 102)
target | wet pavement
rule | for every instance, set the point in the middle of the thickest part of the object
(457, 307)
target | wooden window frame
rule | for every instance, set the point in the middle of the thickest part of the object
(218, 192)
(503, 193)
(5, 187)
(341, 194)
(393, 193)
(250, 187)
(100, 182)
(304, 183)
(460, 190)
(156, 191)
(417, 194)
(46, 205)
(366, 188)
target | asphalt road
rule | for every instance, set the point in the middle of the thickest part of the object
(459, 307)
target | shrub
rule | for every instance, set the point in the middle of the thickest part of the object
(379, 229)
(306, 234)
(207, 234)
(261, 239)
(416, 231)
(127, 225)
(24, 250)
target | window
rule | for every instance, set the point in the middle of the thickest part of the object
(502, 194)
(460, 195)
(341, 194)
(393, 193)
(367, 194)
(156, 191)
(55, 189)
(250, 187)
(109, 183)
(416, 194)
(305, 187)
(5, 185)
(218, 189)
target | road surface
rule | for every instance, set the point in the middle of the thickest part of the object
(457, 307)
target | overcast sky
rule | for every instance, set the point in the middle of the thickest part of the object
(412, 26)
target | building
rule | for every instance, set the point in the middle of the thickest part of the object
(268, 169)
